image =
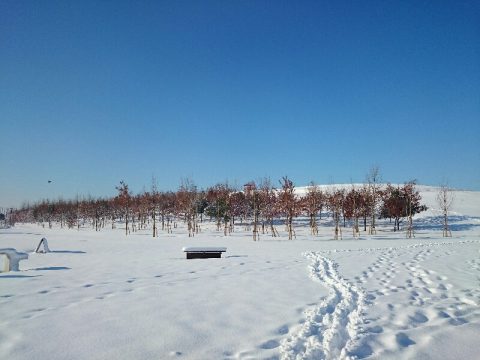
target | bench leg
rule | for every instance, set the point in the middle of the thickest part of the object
(6, 264)
(14, 265)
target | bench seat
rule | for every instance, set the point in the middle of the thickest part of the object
(203, 252)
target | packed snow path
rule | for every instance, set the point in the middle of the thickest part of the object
(330, 328)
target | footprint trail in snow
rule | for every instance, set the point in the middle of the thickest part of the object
(387, 308)
(331, 328)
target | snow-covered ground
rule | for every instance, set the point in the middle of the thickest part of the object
(102, 295)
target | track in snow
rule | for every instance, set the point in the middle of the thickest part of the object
(409, 295)
(331, 328)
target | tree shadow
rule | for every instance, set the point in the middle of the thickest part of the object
(68, 252)
(18, 233)
(52, 268)
(436, 223)
(17, 276)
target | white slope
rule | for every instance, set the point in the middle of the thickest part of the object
(101, 295)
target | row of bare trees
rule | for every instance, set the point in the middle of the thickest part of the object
(259, 207)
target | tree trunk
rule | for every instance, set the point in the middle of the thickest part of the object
(126, 222)
(154, 224)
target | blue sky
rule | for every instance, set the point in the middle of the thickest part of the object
(95, 92)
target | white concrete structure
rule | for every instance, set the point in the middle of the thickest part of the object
(13, 258)
(45, 246)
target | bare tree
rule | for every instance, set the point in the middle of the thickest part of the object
(373, 179)
(253, 199)
(394, 205)
(445, 198)
(238, 207)
(288, 204)
(335, 200)
(123, 200)
(153, 202)
(219, 206)
(269, 205)
(167, 208)
(364, 201)
(312, 204)
(187, 201)
(353, 209)
(413, 206)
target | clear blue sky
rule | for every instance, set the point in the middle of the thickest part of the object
(92, 92)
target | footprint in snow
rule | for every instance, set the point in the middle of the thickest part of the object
(457, 321)
(38, 310)
(419, 317)
(283, 330)
(375, 329)
(175, 353)
(403, 340)
(270, 344)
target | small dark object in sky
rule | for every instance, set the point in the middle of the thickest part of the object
(49, 181)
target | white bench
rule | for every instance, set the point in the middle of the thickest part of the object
(13, 257)
(204, 252)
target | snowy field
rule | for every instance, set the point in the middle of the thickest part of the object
(102, 295)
